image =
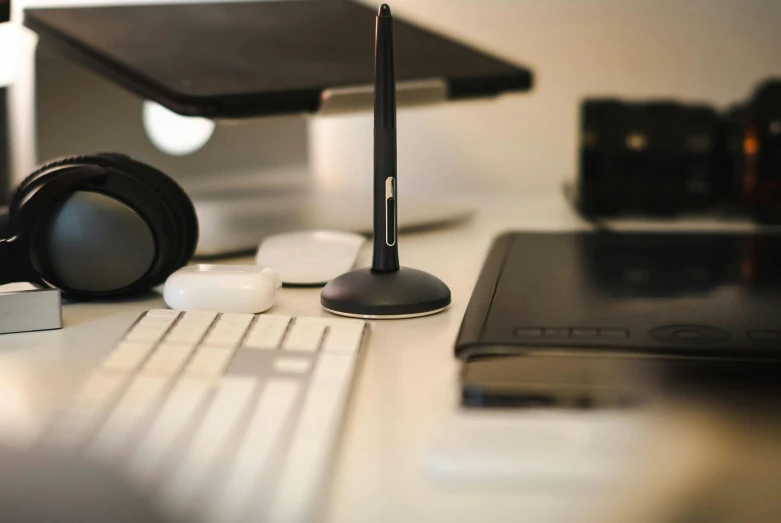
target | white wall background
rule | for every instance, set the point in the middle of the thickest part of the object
(711, 50)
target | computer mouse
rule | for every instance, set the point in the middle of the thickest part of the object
(310, 258)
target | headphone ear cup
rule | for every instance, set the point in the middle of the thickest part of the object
(16, 256)
(184, 241)
(105, 225)
(116, 251)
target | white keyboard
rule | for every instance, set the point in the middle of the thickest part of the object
(221, 417)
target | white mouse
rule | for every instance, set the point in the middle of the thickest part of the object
(310, 257)
(222, 288)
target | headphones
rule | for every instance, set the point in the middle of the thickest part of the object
(101, 226)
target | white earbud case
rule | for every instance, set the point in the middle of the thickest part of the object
(222, 288)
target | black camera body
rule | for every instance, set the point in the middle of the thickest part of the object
(663, 158)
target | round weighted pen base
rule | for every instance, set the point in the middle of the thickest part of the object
(406, 293)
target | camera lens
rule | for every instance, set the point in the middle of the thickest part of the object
(762, 153)
(655, 157)
(664, 157)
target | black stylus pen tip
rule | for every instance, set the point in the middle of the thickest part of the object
(384, 10)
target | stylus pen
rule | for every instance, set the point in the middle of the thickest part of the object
(386, 253)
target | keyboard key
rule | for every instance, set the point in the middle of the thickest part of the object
(330, 321)
(216, 429)
(168, 359)
(138, 402)
(344, 339)
(255, 451)
(209, 362)
(100, 389)
(87, 409)
(292, 365)
(304, 337)
(167, 429)
(165, 321)
(158, 324)
(267, 332)
(185, 336)
(229, 336)
(308, 456)
(147, 332)
(334, 368)
(162, 313)
(199, 317)
(127, 357)
(229, 329)
(238, 319)
(191, 327)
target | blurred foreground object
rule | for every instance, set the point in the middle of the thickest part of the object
(664, 157)
(715, 455)
(38, 487)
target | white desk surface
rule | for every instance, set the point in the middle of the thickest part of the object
(407, 389)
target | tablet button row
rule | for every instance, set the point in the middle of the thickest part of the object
(571, 332)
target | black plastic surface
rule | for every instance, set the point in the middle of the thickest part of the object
(258, 58)
(694, 295)
(405, 292)
(612, 379)
(385, 251)
(5, 146)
